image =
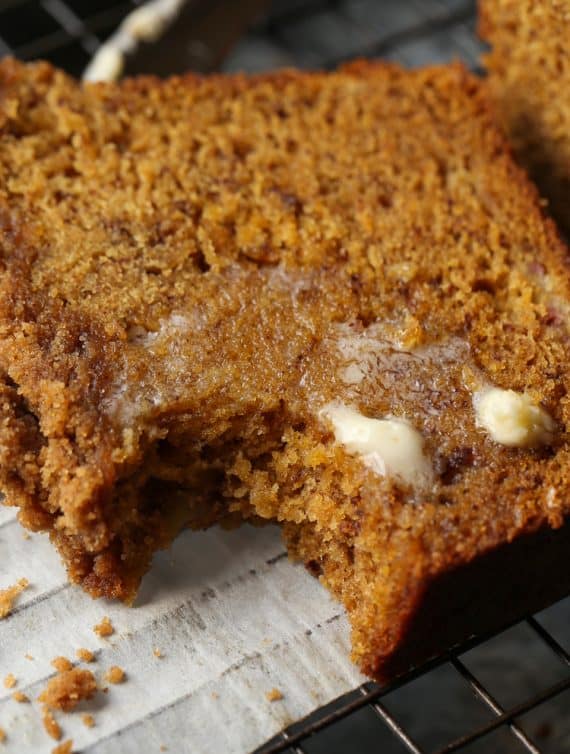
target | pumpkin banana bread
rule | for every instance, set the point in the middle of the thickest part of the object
(529, 78)
(328, 300)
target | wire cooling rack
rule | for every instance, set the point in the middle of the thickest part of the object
(305, 33)
(376, 699)
(483, 710)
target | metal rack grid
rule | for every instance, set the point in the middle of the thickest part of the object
(67, 32)
(371, 696)
(321, 33)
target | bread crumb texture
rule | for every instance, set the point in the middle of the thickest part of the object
(51, 726)
(61, 664)
(3, 735)
(88, 721)
(67, 689)
(274, 695)
(192, 269)
(115, 675)
(64, 748)
(20, 697)
(10, 681)
(9, 596)
(85, 655)
(104, 628)
(529, 78)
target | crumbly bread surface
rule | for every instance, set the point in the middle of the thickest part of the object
(69, 687)
(194, 269)
(529, 77)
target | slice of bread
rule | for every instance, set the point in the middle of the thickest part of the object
(329, 300)
(529, 78)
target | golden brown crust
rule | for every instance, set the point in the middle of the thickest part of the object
(529, 79)
(188, 270)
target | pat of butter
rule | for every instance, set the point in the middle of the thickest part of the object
(390, 447)
(512, 418)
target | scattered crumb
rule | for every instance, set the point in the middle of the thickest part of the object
(65, 748)
(85, 655)
(8, 596)
(163, 747)
(88, 720)
(20, 697)
(26, 534)
(215, 695)
(2, 735)
(61, 664)
(115, 674)
(67, 689)
(28, 656)
(157, 653)
(51, 725)
(274, 695)
(10, 681)
(104, 629)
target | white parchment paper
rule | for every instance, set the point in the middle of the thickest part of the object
(232, 617)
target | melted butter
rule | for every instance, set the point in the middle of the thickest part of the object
(390, 447)
(512, 418)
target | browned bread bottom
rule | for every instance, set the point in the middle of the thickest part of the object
(211, 290)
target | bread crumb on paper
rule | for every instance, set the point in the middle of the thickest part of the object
(20, 697)
(115, 674)
(65, 748)
(85, 655)
(10, 595)
(10, 681)
(61, 664)
(274, 695)
(157, 653)
(51, 726)
(88, 721)
(105, 628)
(2, 735)
(67, 689)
